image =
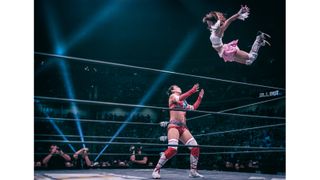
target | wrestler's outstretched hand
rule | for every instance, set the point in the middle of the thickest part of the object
(244, 9)
(195, 88)
(201, 93)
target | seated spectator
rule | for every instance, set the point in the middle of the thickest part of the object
(239, 166)
(150, 164)
(96, 164)
(37, 165)
(105, 164)
(137, 160)
(69, 165)
(56, 159)
(122, 164)
(115, 163)
(253, 166)
(81, 159)
(229, 166)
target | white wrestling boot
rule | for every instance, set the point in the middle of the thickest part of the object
(260, 41)
(262, 38)
(194, 174)
(156, 174)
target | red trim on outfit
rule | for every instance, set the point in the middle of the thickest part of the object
(181, 129)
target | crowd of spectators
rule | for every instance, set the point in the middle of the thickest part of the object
(58, 159)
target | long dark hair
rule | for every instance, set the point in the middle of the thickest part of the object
(170, 89)
(213, 17)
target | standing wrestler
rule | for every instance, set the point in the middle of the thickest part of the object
(177, 128)
(230, 52)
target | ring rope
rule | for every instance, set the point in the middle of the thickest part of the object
(108, 154)
(155, 144)
(197, 117)
(239, 152)
(151, 107)
(239, 107)
(137, 138)
(238, 130)
(98, 137)
(156, 70)
(252, 104)
(178, 154)
(96, 121)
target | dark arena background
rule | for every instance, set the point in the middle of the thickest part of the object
(102, 70)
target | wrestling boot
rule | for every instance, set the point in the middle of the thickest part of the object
(261, 37)
(194, 174)
(156, 173)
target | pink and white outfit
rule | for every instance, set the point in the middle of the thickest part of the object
(227, 51)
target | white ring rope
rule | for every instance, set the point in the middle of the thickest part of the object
(151, 107)
(238, 130)
(97, 121)
(252, 104)
(205, 134)
(156, 70)
(179, 154)
(239, 107)
(155, 144)
(98, 137)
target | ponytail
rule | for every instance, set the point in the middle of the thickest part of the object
(169, 90)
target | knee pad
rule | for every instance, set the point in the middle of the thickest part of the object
(192, 142)
(172, 150)
(173, 142)
(195, 151)
(249, 62)
(252, 58)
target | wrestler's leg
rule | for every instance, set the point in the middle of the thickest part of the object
(188, 139)
(173, 136)
(259, 41)
(231, 52)
(241, 57)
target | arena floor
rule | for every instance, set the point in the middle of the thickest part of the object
(135, 174)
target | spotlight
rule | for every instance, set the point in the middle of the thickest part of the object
(55, 126)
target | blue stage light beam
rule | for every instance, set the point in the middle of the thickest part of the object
(56, 128)
(60, 49)
(52, 27)
(184, 47)
(70, 93)
(104, 15)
